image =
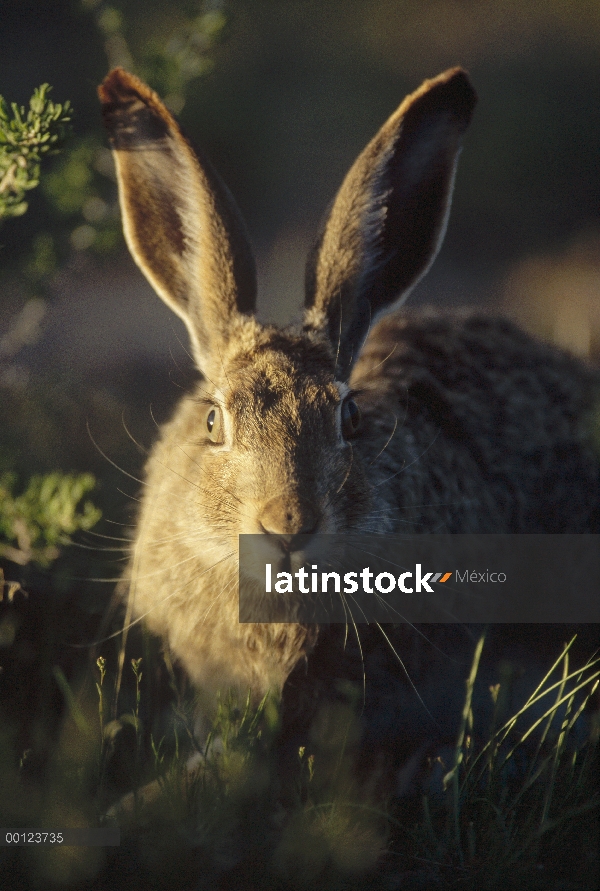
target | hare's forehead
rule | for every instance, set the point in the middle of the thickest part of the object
(275, 378)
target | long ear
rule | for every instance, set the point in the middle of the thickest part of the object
(180, 221)
(388, 219)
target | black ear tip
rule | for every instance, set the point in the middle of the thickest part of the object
(119, 86)
(454, 89)
(450, 93)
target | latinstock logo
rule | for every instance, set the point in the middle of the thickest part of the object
(385, 582)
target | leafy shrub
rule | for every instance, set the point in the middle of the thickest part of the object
(25, 137)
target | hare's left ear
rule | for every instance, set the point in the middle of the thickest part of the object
(180, 221)
(388, 219)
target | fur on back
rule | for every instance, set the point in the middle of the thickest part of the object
(495, 429)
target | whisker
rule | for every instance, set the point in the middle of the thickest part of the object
(213, 497)
(360, 649)
(156, 424)
(414, 461)
(389, 355)
(97, 548)
(142, 449)
(148, 575)
(174, 359)
(186, 535)
(183, 346)
(406, 507)
(129, 496)
(406, 672)
(172, 379)
(109, 537)
(387, 443)
(110, 461)
(223, 591)
(345, 480)
(130, 624)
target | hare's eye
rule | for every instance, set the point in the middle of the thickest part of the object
(350, 418)
(214, 425)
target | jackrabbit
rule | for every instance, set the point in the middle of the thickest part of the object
(362, 418)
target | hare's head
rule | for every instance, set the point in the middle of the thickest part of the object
(273, 426)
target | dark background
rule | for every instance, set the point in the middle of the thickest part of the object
(282, 95)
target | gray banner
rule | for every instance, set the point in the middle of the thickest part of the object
(421, 578)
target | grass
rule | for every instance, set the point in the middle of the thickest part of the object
(517, 809)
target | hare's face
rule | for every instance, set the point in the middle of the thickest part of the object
(270, 429)
(273, 445)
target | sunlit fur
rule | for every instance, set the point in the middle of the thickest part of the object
(281, 407)
(468, 425)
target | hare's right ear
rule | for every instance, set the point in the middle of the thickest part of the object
(388, 218)
(180, 221)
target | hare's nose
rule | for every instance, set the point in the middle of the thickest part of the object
(289, 518)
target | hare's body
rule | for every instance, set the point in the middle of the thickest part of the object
(453, 424)
(494, 428)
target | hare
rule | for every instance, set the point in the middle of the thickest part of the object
(361, 418)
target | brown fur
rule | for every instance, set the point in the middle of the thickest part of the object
(468, 425)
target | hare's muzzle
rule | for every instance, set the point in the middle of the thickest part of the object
(286, 540)
(289, 520)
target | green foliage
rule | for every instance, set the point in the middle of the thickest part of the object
(70, 184)
(173, 53)
(25, 138)
(170, 66)
(508, 807)
(80, 189)
(34, 523)
(504, 816)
